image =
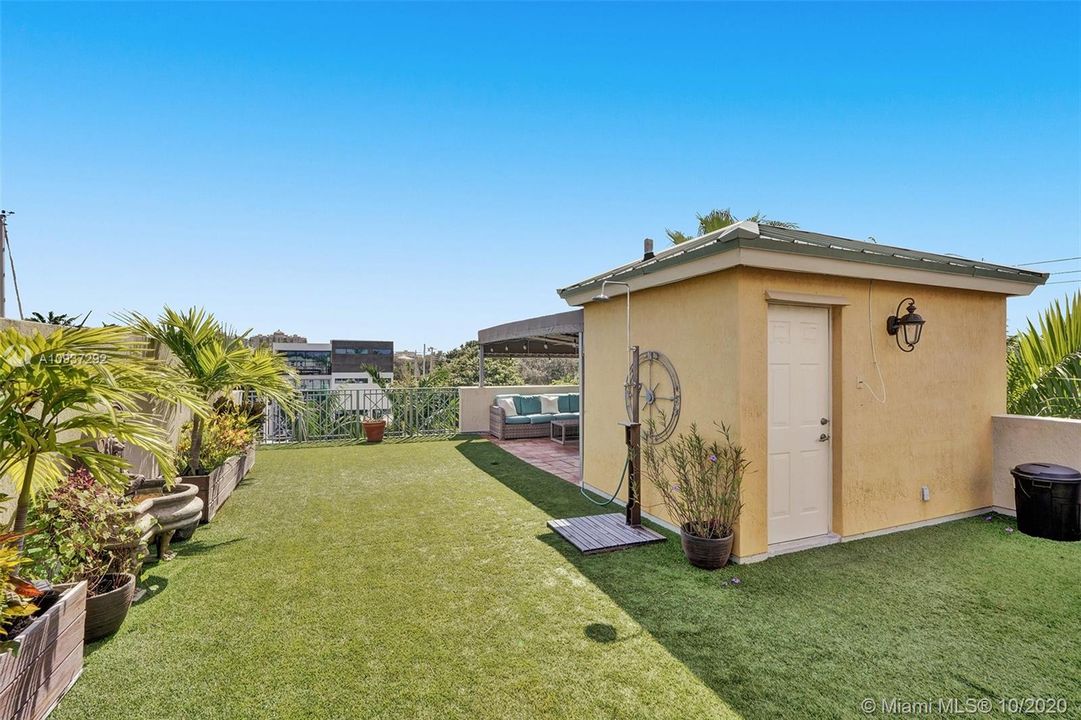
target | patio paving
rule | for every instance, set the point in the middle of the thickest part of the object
(560, 460)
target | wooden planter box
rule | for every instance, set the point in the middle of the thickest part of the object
(49, 661)
(215, 488)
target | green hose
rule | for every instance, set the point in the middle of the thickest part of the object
(622, 477)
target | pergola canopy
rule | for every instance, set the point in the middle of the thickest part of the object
(548, 336)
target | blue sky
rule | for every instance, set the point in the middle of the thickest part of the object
(416, 172)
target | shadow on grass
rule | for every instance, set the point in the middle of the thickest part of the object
(545, 491)
(806, 635)
(653, 584)
(152, 586)
(195, 547)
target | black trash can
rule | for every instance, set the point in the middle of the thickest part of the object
(1048, 500)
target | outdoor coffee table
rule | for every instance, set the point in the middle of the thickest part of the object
(564, 426)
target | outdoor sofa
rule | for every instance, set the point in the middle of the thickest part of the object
(511, 417)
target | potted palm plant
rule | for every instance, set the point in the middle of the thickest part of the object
(375, 421)
(61, 391)
(216, 363)
(700, 483)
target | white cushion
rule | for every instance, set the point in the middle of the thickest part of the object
(549, 404)
(508, 406)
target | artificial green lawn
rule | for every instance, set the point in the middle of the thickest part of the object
(418, 580)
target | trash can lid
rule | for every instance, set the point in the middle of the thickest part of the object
(1049, 471)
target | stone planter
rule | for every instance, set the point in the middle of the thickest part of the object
(49, 659)
(216, 487)
(176, 513)
(706, 553)
(147, 526)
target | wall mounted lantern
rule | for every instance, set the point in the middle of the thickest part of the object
(907, 328)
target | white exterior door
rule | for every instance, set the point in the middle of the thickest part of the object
(799, 429)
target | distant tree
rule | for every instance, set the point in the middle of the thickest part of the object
(717, 219)
(548, 371)
(1044, 363)
(461, 368)
(54, 318)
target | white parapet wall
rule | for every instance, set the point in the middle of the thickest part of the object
(473, 402)
(1023, 439)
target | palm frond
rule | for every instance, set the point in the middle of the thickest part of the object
(1044, 363)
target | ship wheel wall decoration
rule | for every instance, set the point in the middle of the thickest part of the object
(659, 398)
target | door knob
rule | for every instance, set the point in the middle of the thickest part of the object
(823, 437)
(824, 421)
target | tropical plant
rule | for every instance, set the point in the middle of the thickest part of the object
(1044, 363)
(52, 318)
(82, 531)
(699, 480)
(217, 362)
(717, 219)
(63, 393)
(16, 595)
(226, 432)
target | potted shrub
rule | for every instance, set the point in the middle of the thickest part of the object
(216, 363)
(700, 483)
(83, 531)
(228, 437)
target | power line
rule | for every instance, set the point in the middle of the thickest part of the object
(1063, 282)
(1066, 272)
(1048, 262)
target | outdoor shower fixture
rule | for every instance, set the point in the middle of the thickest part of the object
(632, 427)
(603, 297)
(908, 327)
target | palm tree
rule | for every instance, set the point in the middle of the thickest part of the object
(717, 219)
(63, 392)
(217, 362)
(1044, 363)
(53, 318)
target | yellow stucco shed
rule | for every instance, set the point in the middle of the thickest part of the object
(782, 335)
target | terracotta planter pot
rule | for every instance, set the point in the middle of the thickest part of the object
(706, 553)
(105, 613)
(373, 430)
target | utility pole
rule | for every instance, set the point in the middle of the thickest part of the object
(3, 249)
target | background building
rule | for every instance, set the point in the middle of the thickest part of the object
(268, 340)
(338, 363)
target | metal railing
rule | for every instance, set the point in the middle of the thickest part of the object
(338, 414)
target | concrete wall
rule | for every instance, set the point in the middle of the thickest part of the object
(934, 429)
(1022, 439)
(473, 402)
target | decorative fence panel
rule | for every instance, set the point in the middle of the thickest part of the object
(338, 414)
